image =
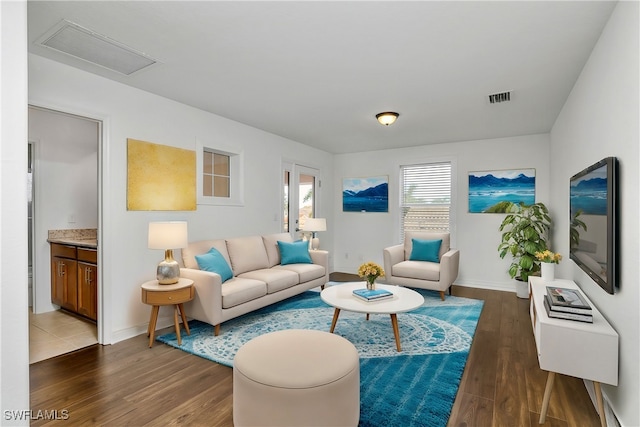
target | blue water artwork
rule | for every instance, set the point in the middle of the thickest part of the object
(589, 193)
(365, 194)
(488, 189)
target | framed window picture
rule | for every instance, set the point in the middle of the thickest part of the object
(365, 194)
(492, 191)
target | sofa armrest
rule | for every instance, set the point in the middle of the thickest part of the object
(392, 256)
(449, 264)
(207, 303)
(320, 258)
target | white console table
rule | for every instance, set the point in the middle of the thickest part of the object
(577, 349)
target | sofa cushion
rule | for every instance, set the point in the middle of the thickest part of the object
(201, 247)
(424, 270)
(247, 254)
(271, 245)
(306, 272)
(240, 290)
(426, 235)
(425, 250)
(276, 280)
(214, 262)
(294, 252)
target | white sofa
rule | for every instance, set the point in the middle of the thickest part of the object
(259, 278)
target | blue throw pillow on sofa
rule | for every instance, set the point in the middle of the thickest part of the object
(294, 252)
(214, 262)
(425, 250)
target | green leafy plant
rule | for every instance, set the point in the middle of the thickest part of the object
(524, 232)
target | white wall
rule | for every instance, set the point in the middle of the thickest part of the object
(364, 235)
(66, 185)
(132, 113)
(14, 319)
(600, 119)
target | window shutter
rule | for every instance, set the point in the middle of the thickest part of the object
(426, 197)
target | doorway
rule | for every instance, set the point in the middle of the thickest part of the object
(63, 173)
(299, 196)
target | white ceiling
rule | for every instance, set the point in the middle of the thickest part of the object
(318, 72)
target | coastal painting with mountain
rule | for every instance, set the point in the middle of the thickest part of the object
(492, 191)
(365, 194)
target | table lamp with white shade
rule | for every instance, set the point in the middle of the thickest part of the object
(314, 225)
(168, 235)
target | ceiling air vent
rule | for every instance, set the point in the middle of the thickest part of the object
(72, 39)
(500, 97)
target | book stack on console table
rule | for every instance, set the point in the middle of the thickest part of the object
(569, 304)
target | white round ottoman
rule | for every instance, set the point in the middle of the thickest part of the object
(296, 378)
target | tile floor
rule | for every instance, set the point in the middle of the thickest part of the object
(56, 332)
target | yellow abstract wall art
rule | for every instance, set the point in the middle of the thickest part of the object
(160, 178)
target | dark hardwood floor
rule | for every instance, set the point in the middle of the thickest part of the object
(130, 384)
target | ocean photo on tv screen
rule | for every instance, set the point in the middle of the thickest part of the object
(589, 193)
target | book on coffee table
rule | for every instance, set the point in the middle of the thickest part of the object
(372, 294)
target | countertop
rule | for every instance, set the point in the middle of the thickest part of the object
(81, 237)
(83, 243)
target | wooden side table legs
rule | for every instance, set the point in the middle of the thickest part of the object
(152, 324)
(154, 320)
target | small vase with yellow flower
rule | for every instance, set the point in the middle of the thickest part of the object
(370, 271)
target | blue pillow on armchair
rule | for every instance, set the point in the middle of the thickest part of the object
(425, 250)
(294, 252)
(214, 262)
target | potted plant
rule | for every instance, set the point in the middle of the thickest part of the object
(549, 260)
(524, 232)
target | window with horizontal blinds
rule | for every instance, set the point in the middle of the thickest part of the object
(426, 197)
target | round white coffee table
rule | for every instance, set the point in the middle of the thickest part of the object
(341, 298)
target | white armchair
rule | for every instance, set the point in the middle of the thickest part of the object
(402, 269)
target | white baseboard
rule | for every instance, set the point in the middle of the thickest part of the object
(134, 331)
(492, 286)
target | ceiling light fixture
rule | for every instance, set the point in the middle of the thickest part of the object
(387, 118)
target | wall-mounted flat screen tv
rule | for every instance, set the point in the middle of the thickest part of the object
(593, 222)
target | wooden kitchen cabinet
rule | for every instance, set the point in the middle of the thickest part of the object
(87, 283)
(74, 279)
(64, 276)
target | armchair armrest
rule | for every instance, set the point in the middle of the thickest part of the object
(207, 303)
(392, 256)
(449, 264)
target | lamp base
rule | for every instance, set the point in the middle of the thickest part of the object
(168, 271)
(315, 243)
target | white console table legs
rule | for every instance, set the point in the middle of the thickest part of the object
(603, 417)
(547, 395)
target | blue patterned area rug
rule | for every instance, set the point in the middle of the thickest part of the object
(416, 387)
